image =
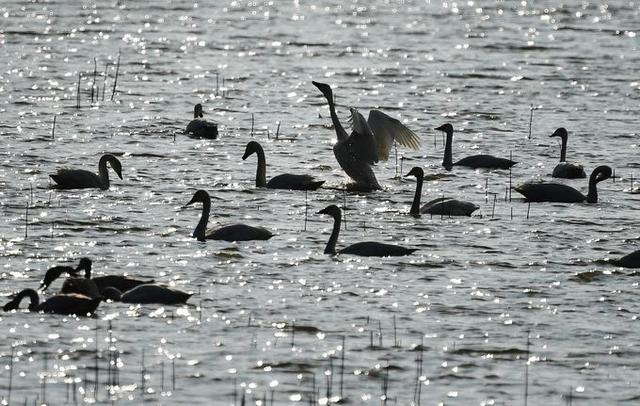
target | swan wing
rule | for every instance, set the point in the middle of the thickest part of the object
(386, 130)
(361, 145)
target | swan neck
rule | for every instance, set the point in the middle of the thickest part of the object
(592, 196)
(340, 132)
(563, 150)
(103, 174)
(331, 244)
(34, 300)
(447, 162)
(201, 228)
(415, 206)
(261, 172)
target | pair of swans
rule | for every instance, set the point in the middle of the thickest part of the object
(83, 179)
(201, 128)
(369, 142)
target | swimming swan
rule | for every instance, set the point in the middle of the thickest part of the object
(147, 293)
(200, 127)
(473, 161)
(555, 192)
(443, 206)
(234, 232)
(61, 304)
(364, 249)
(82, 179)
(284, 181)
(628, 261)
(564, 169)
(369, 142)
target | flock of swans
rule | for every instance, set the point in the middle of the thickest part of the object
(369, 142)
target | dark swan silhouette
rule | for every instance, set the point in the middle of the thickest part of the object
(147, 294)
(369, 142)
(556, 192)
(201, 128)
(82, 179)
(363, 249)
(565, 169)
(631, 260)
(473, 161)
(442, 205)
(61, 304)
(91, 287)
(284, 181)
(233, 232)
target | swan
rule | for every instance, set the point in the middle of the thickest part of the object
(61, 304)
(628, 261)
(556, 192)
(564, 169)
(233, 232)
(369, 142)
(443, 206)
(91, 287)
(81, 179)
(473, 161)
(363, 249)
(200, 127)
(284, 181)
(147, 293)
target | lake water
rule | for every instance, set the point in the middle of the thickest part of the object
(268, 319)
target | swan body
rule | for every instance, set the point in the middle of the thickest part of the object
(370, 141)
(61, 304)
(284, 181)
(363, 249)
(628, 261)
(473, 161)
(565, 169)
(440, 206)
(233, 232)
(148, 293)
(201, 128)
(556, 192)
(83, 179)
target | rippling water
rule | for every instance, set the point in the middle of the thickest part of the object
(268, 319)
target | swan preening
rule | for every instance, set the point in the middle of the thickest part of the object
(364, 249)
(565, 169)
(147, 294)
(201, 128)
(233, 232)
(284, 181)
(556, 192)
(82, 179)
(61, 304)
(473, 161)
(369, 142)
(443, 205)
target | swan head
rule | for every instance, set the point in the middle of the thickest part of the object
(115, 164)
(325, 89)
(111, 293)
(11, 305)
(447, 128)
(85, 264)
(415, 171)
(601, 173)
(252, 148)
(200, 196)
(331, 210)
(560, 132)
(197, 111)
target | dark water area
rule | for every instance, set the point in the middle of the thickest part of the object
(513, 291)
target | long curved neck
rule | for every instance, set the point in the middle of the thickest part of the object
(201, 228)
(261, 172)
(415, 206)
(563, 150)
(34, 300)
(103, 173)
(331, 244)
(340, 132)
(447, 162)
(592, 196)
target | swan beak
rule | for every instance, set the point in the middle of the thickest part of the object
(246, 155)
(322, 212)
(439, 128)
(192, 201)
